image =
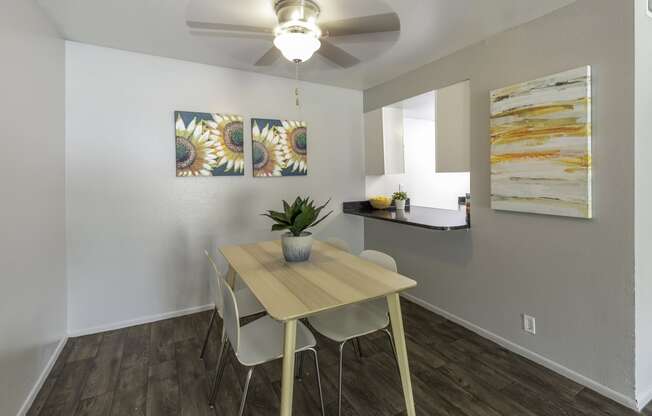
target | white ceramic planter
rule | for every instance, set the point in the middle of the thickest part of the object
(296, 249)
(400, 204)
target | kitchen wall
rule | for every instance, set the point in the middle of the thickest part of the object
(32, 242)
(136, 233)
(575, 276)
(643, 202)
(425, 186)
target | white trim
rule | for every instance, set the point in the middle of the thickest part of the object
(537, 358)
(41, 379)
(140, 321)
(644, 399)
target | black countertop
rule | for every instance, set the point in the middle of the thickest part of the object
(431, 218)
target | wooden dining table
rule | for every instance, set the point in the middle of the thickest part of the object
(331, 279)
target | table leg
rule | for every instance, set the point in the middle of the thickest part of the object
(230, 277)
(287, 386)
(394, 304)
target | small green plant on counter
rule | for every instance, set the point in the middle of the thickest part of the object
(400, 196)
(298, 217)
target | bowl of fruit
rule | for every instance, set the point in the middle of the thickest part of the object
(380, 202)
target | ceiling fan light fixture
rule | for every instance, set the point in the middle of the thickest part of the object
(297, 46)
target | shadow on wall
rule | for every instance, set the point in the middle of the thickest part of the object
(408, 245)
(181, 257)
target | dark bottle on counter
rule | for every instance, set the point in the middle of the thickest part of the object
(468, 209)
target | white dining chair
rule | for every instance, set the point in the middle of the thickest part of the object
(354, 321)
(247, 302)
(344, 246)
(256, 343)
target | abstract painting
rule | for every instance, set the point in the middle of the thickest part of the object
(209, 144)
(279, 147)
(541, 145)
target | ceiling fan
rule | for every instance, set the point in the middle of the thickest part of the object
(299, 35)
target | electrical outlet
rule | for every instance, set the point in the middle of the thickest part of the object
(529, 324)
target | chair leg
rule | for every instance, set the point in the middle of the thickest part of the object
(243, 403)
(208, 333)
(221, 363)
(358, 347)
(391, 342)
(321, 394)
(299, 375)
(339, 394)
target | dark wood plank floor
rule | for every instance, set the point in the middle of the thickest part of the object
(154, 370)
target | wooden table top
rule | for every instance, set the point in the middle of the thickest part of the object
(330, 279)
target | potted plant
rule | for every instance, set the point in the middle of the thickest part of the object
(399, 199)
(296, 219)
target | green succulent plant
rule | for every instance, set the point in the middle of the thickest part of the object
(298, 217)
(400, 196)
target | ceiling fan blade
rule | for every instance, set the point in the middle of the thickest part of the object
(337, 55)
(224, 27)
(269, 58)
(240, 35)
(388, 22)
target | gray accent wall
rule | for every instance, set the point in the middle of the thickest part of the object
(575, 276)
(643, 202)
(32, 208)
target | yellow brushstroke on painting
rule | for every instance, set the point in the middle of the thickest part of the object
(531, 123)
(540, 131)
(510, 157)
(576, 163)
(541, 110)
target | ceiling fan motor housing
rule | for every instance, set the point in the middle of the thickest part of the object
(291, 12)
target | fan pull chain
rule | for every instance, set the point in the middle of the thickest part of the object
(296, 89)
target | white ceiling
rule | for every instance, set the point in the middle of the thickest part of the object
(430, 29)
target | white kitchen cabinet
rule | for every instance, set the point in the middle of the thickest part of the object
(384, 153)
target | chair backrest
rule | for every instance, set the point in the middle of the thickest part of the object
(383, 260)
(341, 244)
(219, 299)
(231, 317)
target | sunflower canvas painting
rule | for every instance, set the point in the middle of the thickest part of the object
(209, 144)
(279, 147)
(541, 145)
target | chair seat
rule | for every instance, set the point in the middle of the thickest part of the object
(349, 322)
(247, 303)
(262, 341)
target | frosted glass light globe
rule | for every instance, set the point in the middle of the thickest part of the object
(296, 46)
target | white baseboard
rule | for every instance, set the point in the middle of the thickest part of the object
(537, 358)
(644, 399)
(139, 321)
(41, 379)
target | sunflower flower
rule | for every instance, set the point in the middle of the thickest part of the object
(227, 131)
(267, 152)
(293, 136)
(195, 151)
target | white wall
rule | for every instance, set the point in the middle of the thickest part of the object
(136, 233)
(32, 240)
(643, 203)
(575, 276)
(425, 187)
